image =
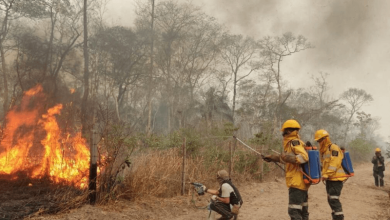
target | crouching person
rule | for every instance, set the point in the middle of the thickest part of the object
(226, 201)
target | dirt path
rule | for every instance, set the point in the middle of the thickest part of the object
(360, 199)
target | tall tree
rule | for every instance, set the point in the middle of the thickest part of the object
(84, 104)
(239, 54)
(150, 86)
(12, 10)
(274, 50)
(355, 99)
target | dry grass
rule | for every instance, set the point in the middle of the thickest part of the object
(159, 173)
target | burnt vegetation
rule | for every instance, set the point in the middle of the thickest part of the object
(145, 90)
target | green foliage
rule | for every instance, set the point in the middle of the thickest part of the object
(175, 139)
(247, 162)
(216, 157)
(226, 131)
(361, 149)
(267, 138)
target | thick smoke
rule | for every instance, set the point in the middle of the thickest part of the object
(346, 33)
(245, 15)
(340, 30)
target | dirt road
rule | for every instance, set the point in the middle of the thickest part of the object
(268, 201)
(360, 199)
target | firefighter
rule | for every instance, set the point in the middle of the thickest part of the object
(332, 171)
(294, 154)
(379, 166)
(226, 200)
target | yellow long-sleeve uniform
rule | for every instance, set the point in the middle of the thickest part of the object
(331, 158)
(294, 177)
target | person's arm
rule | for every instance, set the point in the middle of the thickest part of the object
(382, 159)
(226, 191)
(299, 155)
(373, 160)
(212, 191)
(215, 196)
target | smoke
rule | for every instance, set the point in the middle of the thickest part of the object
(345, 33)
(340, 30)
(242, 16)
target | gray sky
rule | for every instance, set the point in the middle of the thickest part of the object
(351, 39)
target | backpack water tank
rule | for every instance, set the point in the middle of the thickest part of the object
(312, 168)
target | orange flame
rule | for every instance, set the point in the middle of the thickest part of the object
(34, 143)
(72, 91)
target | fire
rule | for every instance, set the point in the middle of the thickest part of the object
(72, 91)
(34, 143)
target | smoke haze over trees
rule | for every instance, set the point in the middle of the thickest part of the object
(204, 75)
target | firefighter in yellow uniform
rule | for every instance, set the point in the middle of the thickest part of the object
(294, 155)
(332, 171)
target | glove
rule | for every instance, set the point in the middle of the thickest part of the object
(214, 197)
(288, 158)
(204, 188)
(272, 158)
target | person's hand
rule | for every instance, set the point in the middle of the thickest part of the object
(204, 188)
(324, 178)
(214, 197)
(272, 158)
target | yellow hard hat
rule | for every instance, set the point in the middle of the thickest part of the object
(290, 124)
(378, 150)
(320, 134)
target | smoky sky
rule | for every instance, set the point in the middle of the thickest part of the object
(351, 39)
(340, 30)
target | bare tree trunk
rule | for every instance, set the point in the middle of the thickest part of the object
(49, 55)
(4, 69)
(84, 117)
(148, 129)
(86, 75)
(234, 95)
(3, 34)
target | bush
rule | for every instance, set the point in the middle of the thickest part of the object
(361, 149)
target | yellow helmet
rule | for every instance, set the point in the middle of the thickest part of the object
(290, 124)
(378, 150)
(320, 134)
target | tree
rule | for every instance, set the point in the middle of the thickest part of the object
(150, 89)
(274, 50)
(185, 42)
(239, 54)
(367, 125)
(320, 87)
(64, 31)
(215, 104)
(173, 21)
(355, 99)
(126, 54)
(12, 10)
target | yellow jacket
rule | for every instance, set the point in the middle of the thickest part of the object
(294, 176)
(331, 158)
